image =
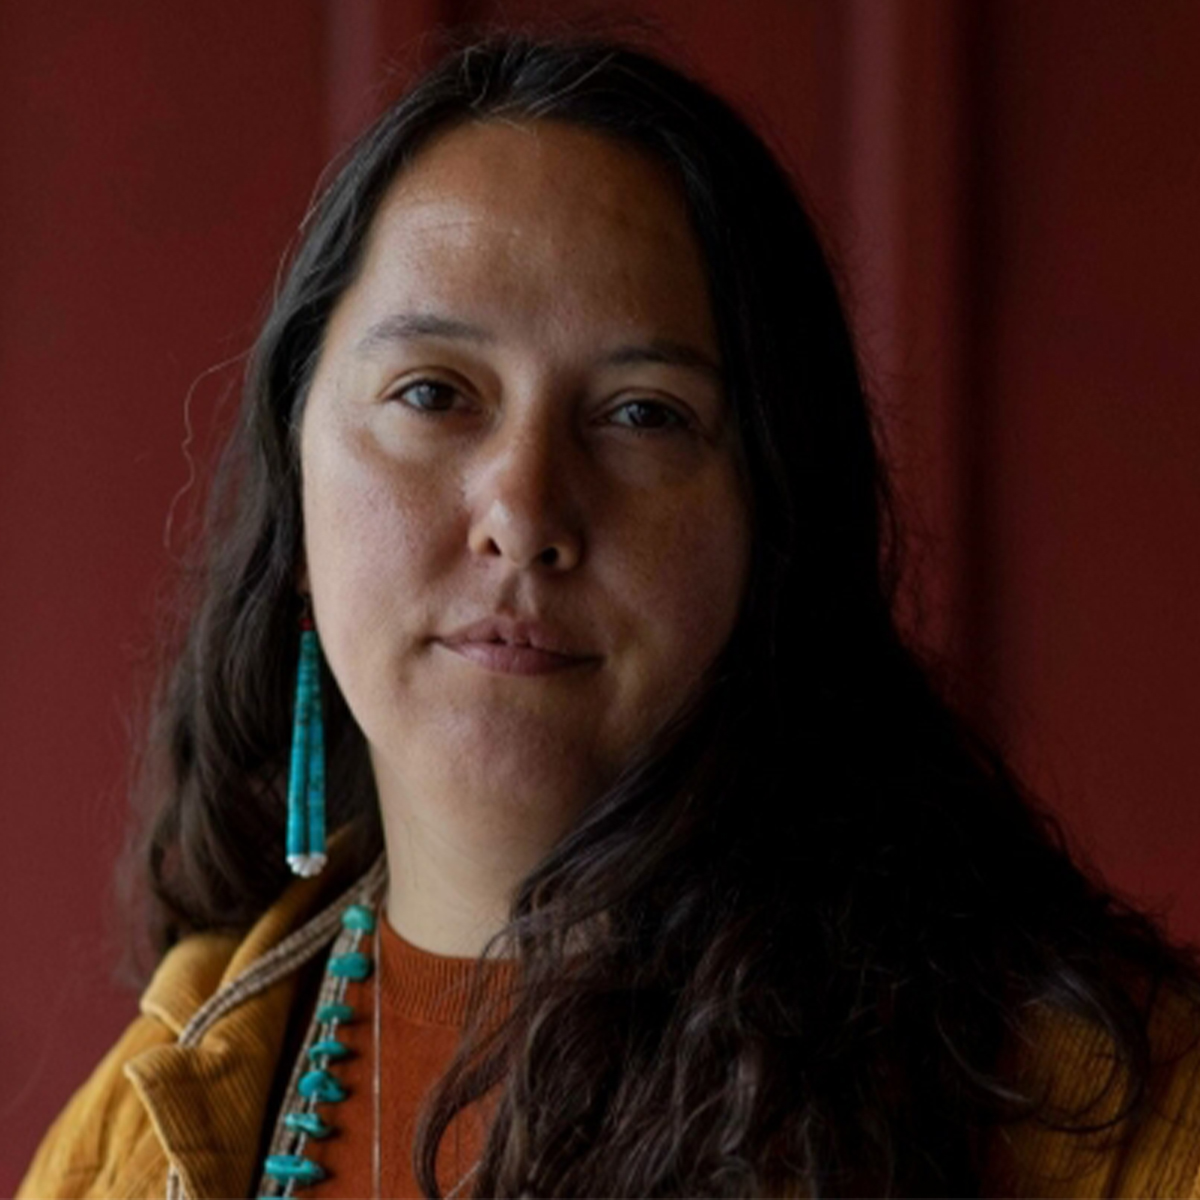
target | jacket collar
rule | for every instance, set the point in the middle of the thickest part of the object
(226, 1000)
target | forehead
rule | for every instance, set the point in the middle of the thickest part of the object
(539, 160)
(542, 219)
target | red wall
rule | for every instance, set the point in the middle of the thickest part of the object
(153, 168)
(1089, 374)
(1013, 192)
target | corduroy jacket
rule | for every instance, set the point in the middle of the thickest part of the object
(177, 1106)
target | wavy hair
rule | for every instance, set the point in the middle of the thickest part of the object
(820, 904)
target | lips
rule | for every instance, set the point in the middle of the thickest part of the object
(518, 647)
(537, 635)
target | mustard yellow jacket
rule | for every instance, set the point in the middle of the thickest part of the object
(176, 1108)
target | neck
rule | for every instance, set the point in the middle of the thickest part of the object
(449, 895)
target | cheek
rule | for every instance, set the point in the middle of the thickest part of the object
(691, 573)
(371, 537)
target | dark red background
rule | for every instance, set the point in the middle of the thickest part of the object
(1013, 187)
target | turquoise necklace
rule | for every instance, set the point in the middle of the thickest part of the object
(314, 1081)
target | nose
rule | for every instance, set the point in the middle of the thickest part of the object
(522, 504)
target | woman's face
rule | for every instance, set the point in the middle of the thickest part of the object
(517, 419)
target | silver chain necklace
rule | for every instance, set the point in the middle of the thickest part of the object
(286, 1167)
(377, 1080)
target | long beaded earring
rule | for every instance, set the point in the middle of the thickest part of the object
(306, 780)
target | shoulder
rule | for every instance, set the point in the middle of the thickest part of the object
(1154, 1151)
(1164, 1154)
(203, 1046)
(103, 1142)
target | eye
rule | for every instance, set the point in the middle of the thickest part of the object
(648, 416)
(426, 395)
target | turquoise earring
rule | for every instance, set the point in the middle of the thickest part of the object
(306, 780)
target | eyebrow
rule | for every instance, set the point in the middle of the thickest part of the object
(408, 326)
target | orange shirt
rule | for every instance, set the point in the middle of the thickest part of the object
(424, 1008)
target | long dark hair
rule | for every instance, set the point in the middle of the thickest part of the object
(820, 905)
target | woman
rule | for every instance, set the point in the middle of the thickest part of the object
(657, 864)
